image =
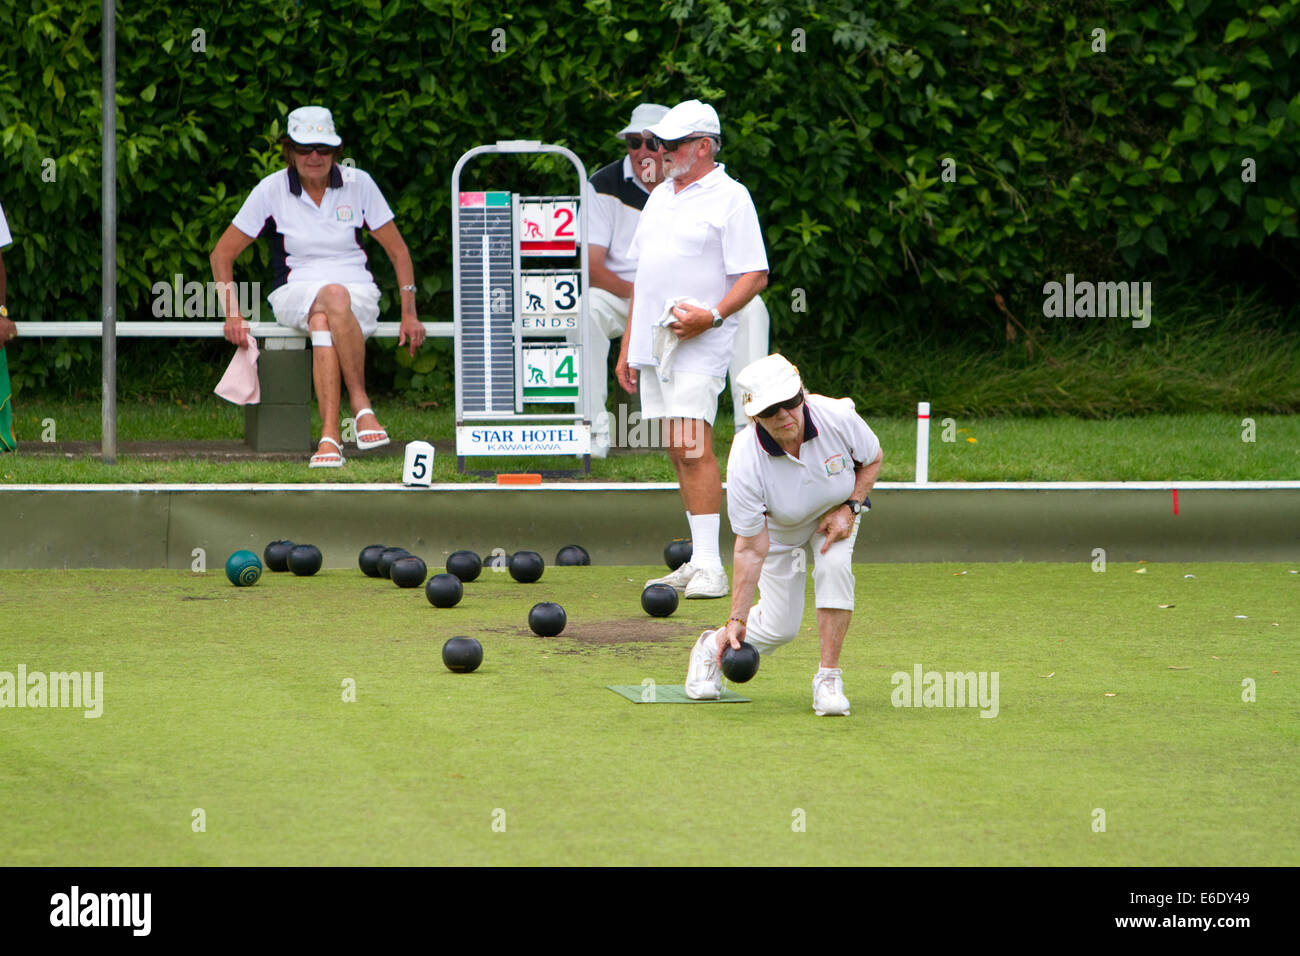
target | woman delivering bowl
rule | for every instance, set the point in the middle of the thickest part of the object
(798, 479)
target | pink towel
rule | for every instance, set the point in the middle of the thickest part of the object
(240, 384)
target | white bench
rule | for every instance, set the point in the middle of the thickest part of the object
(200, 330)
(282, 422)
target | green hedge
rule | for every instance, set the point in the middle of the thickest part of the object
(1121, 165)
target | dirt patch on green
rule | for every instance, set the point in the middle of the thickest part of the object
(633, 630)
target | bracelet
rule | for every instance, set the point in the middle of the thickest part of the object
(406, 288)
(738, 621)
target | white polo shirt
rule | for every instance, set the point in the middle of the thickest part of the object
(311, 243)
(764, 484)
(696, 242)
(5, 238)
(615, 200)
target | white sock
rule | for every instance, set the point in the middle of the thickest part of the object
(704, 542)
(827, 671)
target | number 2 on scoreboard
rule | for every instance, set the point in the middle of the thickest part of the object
(563, 221)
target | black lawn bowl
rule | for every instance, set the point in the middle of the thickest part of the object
(526, 566)
(678, 552)
(572, 555)
(462, 654)
(305, 560)
(444, 590)
(387, 557)
(368, 560)
(408, 572)
(276, 555)
(466, 565)
(547, 619)
(739, 666)
(659, 600)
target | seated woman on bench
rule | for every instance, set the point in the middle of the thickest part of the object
(312, 212)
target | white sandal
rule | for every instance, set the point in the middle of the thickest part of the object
(365, 444)
(325, 459)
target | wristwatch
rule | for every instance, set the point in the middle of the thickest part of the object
(717, 318)
(4, 313)
(857, 507)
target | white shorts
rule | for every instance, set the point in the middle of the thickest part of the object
(291, 301)
(608, 313)
(686, 395)
(776, 618)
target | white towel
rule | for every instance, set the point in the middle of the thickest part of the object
(240, 383)
(663, 341)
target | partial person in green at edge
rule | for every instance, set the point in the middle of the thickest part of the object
(8, 331)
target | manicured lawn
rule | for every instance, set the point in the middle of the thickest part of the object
(232, 702)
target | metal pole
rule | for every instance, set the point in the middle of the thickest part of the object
(108, 190)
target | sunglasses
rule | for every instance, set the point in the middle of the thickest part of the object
(634, 142)
(310, 148)
(790, 404)
(672, 145)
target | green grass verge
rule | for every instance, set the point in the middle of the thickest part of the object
(1201, 447)
(1207, 350)
(231, 701)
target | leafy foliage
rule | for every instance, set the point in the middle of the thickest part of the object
(839, 116)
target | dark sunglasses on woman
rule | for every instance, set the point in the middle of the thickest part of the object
(789, 405)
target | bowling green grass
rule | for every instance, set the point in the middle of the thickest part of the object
(1199, 447)
(226, 705)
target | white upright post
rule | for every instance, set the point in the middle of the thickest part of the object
(922, 442)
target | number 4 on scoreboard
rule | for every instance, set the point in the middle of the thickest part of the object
(550, 374)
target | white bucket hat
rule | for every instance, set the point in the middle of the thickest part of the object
(767, 381)
(645, 115)
(312, 124)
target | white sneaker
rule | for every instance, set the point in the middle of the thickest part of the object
(828, 695)
(704, 676)
(678, 579)
(708, 584)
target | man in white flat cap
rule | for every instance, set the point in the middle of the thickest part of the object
(617, 195)
(700, 259)
(312, 213)
(800, 478)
